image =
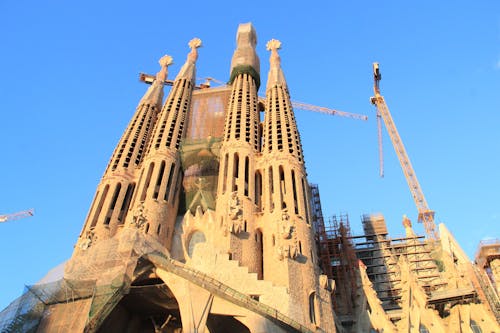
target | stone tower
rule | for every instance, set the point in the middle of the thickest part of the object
(114, 193)
(160, 175)
(236, 192)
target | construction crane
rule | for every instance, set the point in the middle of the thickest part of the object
(321, 109)
(148, 79)
(425, 215)
(16, 216)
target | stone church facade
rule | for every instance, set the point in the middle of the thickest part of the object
(203, 221)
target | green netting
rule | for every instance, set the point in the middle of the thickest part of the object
(25, 313)
(200, 162)
(245, 69)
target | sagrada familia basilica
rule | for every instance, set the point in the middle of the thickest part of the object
(204, 221)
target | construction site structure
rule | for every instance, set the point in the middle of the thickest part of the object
(425, 214)
(17, 215)
(487, 262)
(394, 284)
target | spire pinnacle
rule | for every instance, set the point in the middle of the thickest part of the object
(274, 45)
(164, 62)
(275, 76)
(194, 44)
(188, 69)
(408, 227)
(155, 92)
(245, 58)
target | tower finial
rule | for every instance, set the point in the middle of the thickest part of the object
(275, 75)
(188, 69)
(408, 227)
(273, 45)
(194, 44)
(245, 59)
(165, 61)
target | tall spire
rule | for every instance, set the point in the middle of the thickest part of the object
(169, 130)
(157, 200)
(154, 94)
(115, 191)
(275, 76)
(245, 59)
(280, 129)
(236, 186)
(188, 70)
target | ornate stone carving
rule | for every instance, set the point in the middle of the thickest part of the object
(289, 250)
(325, 282)
(235, 223)
(288, 245)
(286, 225)
(139, 218)
(90, 238)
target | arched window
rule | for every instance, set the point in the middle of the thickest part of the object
(236, 166)
(312, 307)
(475, 327)
(196, 238)
(260, 254)
(148, 180)
(247, 175)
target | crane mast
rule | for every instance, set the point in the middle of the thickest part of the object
(425, 215)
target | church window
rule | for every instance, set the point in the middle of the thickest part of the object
(271, 189)
(236, 166)
(247, 171)
(159, 178)
(197, 237)
(423, 329)
(304, 195)
(312, 307)
(99, 206)
(146, 183)
(169, 182)
(475, 327)
(260, 254)
(294, 188)
(113, 203)
(258, 190)
(126, 202)
(282, 187)
(224, 180)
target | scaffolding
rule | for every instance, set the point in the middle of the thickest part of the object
(488, 251)
(380, 254)
(487, 262)
(320, 235)
(338, 259)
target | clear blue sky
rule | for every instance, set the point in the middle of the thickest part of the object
(70, 85)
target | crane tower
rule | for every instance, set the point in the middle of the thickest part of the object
(425, 214)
